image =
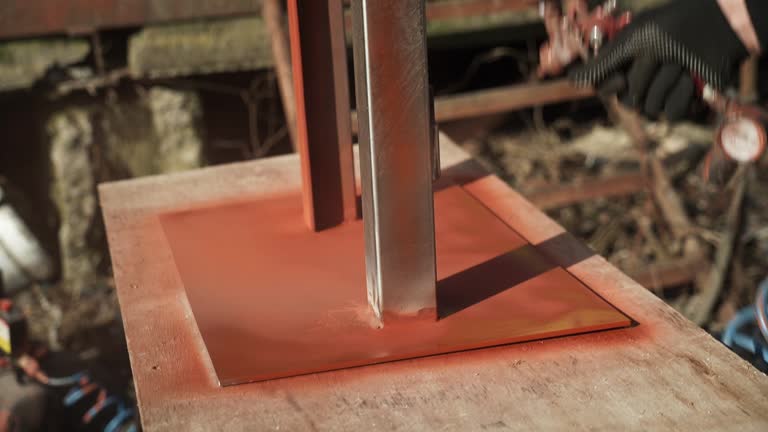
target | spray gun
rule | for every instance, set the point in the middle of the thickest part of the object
(575, 32)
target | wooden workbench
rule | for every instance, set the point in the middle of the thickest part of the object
(663, 374)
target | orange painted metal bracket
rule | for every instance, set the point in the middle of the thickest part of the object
(324, 134)
(272, 299)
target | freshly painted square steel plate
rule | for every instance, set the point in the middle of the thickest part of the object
(272, 299)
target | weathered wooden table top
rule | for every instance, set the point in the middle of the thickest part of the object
(663, 374)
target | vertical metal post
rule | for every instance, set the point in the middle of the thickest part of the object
(321, 88)
(393, 105)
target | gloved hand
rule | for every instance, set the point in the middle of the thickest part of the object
(660, 50)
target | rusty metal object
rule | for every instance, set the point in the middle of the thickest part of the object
(509, 98)
(324, 138)
(271, 299)
(467, 8)
(561, 195)
(34, 17)
(502, 99)
(23, 18)
(20, 18)
(461, 9)
(390, 53)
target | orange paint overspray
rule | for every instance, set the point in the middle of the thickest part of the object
(273, 299)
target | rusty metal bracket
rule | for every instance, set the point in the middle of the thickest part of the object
(321, 88)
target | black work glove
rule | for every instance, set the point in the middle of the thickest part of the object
(659, 51)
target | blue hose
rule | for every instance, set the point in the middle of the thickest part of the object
(78, 382)
(761, 305)
(97, 408)
(733, 337)
(66, 381)
(123, 415)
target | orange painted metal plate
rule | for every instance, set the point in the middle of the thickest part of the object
(272, 299)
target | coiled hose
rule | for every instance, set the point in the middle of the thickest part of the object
(78, 386)
(735, 335)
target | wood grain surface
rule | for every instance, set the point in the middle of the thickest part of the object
(663, 374)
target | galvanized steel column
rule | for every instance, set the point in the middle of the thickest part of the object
(393, 104)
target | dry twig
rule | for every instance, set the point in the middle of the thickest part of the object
(699, 307)
(281, 53)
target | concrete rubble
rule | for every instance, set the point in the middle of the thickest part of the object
(158, 133)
